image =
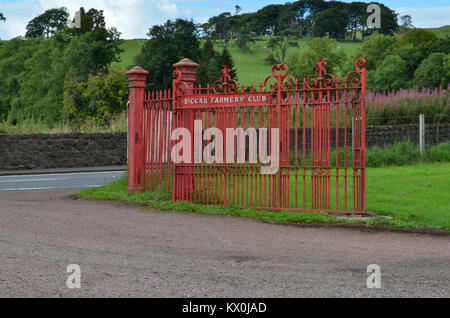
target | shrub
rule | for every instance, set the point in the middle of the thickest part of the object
(439, 153)
(391, 74)
(431, 72)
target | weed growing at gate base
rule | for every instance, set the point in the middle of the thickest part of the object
(413, 196)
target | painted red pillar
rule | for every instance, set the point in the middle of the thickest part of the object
(186, 70)
(136, 154)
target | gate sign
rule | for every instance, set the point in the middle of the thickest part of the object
(226, 100)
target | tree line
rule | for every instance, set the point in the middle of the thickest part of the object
(305, 18)
(59, 74)
(415, 59)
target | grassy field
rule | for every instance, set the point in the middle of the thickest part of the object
(131, 50)
(441, 32)
(413, 196)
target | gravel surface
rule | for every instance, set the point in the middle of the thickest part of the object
(126, 251)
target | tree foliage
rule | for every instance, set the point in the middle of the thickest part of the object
(406, 22)
(209, 67)
(98, 98)
(48, 23)
(337, 19)
(390, 75)
(302, 66)
(226, 59)
(332, 22)
(280, 44)
(415, 46)
(39, 73)
(433, 71)
(375, 49)
(168, 44)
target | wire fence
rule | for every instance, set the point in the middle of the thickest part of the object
(427, 133)
(430, 134)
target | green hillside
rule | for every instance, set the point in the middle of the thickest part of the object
(131, 50)
(441, 32)
(250, 67)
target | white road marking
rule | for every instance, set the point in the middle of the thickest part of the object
(49, 188)
(64, 174)
(33, 180)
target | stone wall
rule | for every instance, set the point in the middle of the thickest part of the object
(42, 151)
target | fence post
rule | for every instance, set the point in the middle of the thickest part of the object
(136, 154)
(186, 70)
(422, 133)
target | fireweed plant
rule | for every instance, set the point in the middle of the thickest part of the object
(404, 106)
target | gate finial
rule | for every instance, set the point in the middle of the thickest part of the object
(228, 85)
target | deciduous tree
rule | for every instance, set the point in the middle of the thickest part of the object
(168, 44)
(48, 23)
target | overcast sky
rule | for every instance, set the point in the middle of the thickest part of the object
(134, 17)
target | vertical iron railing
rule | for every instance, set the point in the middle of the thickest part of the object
(321, 138)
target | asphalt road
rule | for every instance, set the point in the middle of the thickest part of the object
(57, 181)
(126, 251)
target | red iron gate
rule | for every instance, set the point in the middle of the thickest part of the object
(317, 125)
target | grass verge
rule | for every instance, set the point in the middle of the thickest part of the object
(415, 197)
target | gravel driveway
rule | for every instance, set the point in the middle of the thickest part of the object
(126, 251)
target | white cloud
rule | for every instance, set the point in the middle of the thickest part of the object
(427, 17)
(131, 17)
(167, 7)
(17, 15)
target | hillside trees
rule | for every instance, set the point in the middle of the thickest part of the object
(419, 50)
(209, 64)
(390, 75)
(415, 46)
(168, 44)
(301, 66)
(406, 22)
(337, 19)
(280, 44)
(374, 50)
(48, 23)
(212, 62)
(97, 99)
(332, 21)
(40, 73)
(226, 59)
(433, 71)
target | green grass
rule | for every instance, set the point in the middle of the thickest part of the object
(441, 32)
(118, 123)
(414, 196)
(250, 67)
(131, 49)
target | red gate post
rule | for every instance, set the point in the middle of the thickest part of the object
(136, 154)
(186, 69)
